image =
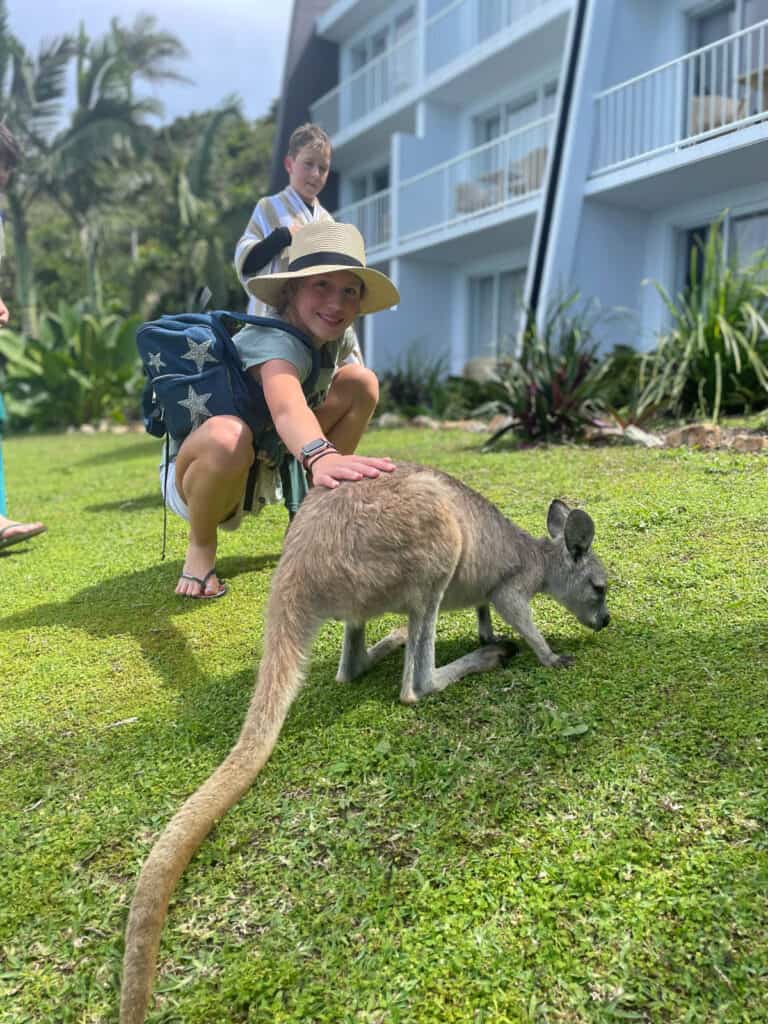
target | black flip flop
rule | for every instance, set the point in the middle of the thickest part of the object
(202, 596)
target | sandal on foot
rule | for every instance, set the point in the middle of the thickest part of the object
(5, 542)
(202, 596)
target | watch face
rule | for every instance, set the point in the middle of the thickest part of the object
(313, 446)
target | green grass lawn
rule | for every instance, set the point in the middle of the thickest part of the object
(532, 845)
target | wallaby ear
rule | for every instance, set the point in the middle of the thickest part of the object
(579, 533)
(556, 517)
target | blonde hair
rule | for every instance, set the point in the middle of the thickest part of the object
(307, 134)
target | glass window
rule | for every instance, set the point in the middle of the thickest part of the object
(550, 99)
(404, 23)
(754, 11)
(358, 57)
(490, 18)
(714, 25)
(511, 285)
(481, 329)
(487, 127)
(748, 237)
(520, 113)
(358, 188)
(380, 179)
(495, 303)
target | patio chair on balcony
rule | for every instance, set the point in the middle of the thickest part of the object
(486, 190)
(527, 173)
(706, 113)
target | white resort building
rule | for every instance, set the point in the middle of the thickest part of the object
(497, 154)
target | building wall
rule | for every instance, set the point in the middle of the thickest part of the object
(424, 324)
(615, 282)
(612, 225)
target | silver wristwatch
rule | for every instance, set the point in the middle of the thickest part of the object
(314, 448)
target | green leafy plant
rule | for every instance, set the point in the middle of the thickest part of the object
(554, 387)
(414, 387)
(714, 357)
(78, 368)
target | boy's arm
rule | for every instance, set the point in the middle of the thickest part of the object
(262, 253)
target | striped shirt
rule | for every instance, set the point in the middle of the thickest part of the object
(282, 210)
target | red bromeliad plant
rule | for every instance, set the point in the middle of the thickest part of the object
(554, 387)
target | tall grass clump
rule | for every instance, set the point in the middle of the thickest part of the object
(714, 357)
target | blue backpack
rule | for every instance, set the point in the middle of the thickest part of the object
(194, 372)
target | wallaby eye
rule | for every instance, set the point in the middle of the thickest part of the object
(599, 589)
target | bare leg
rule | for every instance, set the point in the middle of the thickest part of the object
(348, 406)
(211, 471)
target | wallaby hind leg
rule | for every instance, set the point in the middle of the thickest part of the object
(355, 659)
(425, 678)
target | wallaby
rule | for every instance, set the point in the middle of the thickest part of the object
(412, 541)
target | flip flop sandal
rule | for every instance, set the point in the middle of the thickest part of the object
(5, 542)
(202, 596)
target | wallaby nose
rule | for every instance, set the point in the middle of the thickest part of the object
(606, 620)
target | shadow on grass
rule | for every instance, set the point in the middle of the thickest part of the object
(151, 500)
(678, 704)
(101, 612)
(140, 448)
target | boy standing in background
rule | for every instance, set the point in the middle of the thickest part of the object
(263, 248)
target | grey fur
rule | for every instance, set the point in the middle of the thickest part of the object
(414, 542)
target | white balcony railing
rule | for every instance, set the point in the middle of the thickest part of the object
(719, 88)
(455, 30)
(464, 24)
(371, 87)
(372, 217)
(493, 175)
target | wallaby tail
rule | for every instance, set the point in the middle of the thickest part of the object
(287, 638)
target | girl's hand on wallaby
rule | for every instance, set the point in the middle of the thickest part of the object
(329, 470)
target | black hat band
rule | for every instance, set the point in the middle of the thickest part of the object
(320, 259)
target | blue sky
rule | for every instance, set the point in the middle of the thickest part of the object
(235, 46)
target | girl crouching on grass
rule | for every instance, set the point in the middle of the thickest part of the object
(327, 285)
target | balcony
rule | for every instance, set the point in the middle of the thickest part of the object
(374, 85)
(718, 89)
(372, 217)
(494, 175)
(488, 179)
(463, 25)
(459, 29)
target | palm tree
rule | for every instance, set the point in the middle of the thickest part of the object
(31, 97)
(96, 155)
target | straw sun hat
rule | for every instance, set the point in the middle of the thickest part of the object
(321, 248)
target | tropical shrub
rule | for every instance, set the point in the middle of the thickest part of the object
(714, 358)
(554, 388)
(413, 387)
(78, 369)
